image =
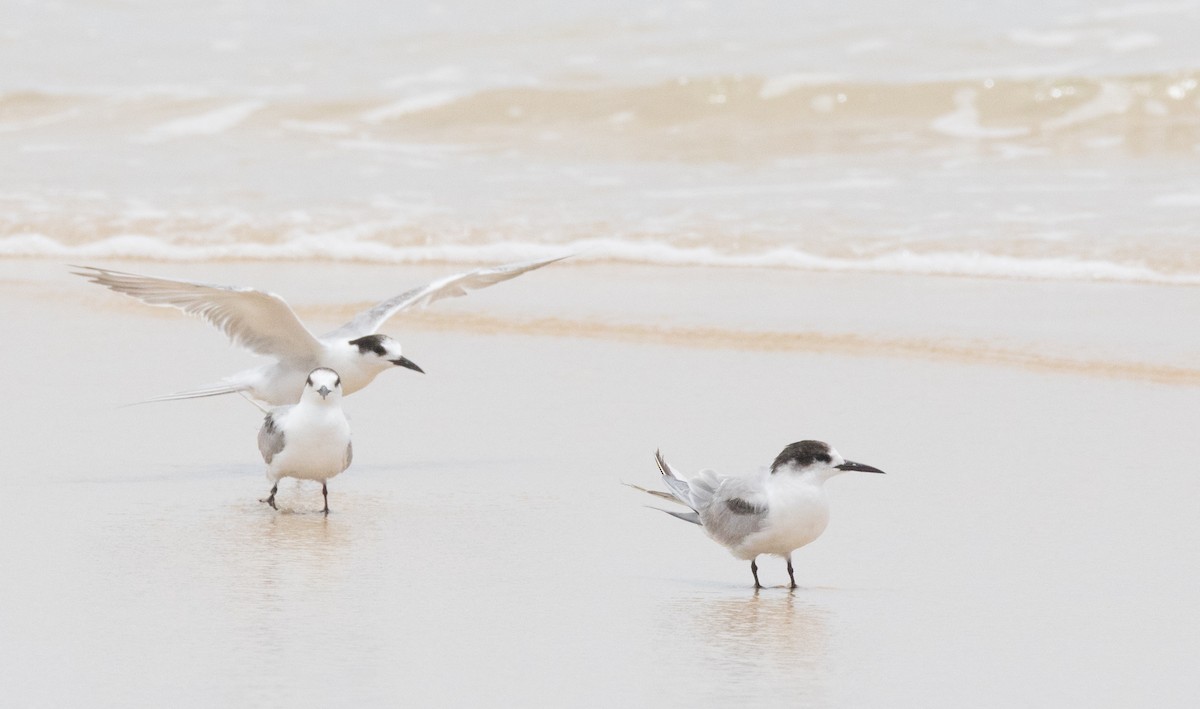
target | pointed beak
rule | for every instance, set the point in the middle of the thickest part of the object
(406, 362)
(324, 391)
(860, 467)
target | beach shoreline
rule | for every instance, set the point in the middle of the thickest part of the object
(1029, 527)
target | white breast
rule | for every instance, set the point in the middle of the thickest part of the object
(798, 514)
(314, 444)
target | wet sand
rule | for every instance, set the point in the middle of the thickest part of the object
(1032, 544)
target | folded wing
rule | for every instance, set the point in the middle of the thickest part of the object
(729, 508)
(738, 508)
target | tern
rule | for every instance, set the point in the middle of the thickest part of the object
(309, 440)
(776, 511)
(264, 324)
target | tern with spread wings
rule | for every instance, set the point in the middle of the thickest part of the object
(264, 324)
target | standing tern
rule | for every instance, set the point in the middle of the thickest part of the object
(309, 440)
(775, 512)
(264, 324)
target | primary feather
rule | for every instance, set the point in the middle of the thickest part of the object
(259, 321)
(264, 324)
(369, 321)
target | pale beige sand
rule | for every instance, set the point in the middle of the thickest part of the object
(1033, 544)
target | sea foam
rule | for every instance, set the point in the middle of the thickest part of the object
(327, 247)
(210, 123)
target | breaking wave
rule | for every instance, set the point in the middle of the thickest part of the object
(787, 111)
(317, 248)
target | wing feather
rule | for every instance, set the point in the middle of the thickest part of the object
(679, 487)
(259, 321)
(679, 491)
(270, 437)
(737, 509)
(689, 516)
(369, 321)
(657, 493)
(729, 508)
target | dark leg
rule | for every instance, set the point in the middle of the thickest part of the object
(271, 499)
(791, 574)
(325, 494)
(754, 570)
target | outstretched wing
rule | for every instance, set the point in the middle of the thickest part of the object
(259, 321)
(369, 321)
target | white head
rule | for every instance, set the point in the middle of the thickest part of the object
(324, 386)
(383, 351)
(815, 458)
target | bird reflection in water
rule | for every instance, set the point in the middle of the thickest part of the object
(767, 639)
(294, 555)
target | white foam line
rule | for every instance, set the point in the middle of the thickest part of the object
(1009, 73)
(442, 75)
(182, 92)
(1111, 100)
(963, 122)
(850, 184)
(777, 86)
(320, 247)
(417, 149)
(412, 104)
(210, 123)
(318, 127)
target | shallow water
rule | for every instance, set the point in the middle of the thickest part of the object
(1027, 546)
(1030, 545)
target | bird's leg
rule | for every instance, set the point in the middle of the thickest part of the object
(754, 570)
(791, 574)
(325, 494)
(270, 500)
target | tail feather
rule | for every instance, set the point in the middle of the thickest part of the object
(678, 486)
(663, 466)
(266, 411)
(657, 493)
(214, 390)
(693, 516)
(680, 492)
